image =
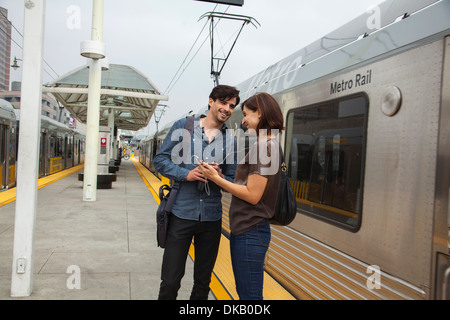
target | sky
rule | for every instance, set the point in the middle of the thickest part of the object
(155, 37)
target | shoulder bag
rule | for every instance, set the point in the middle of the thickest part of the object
(286, 208)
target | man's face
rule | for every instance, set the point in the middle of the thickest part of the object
(222, 109)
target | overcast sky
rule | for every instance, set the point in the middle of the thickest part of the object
(155, 36)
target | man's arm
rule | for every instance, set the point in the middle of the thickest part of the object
(163, 159)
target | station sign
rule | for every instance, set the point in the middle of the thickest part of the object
(229, 2)
(103, 145)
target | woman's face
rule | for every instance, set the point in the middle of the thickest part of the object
(251, 118)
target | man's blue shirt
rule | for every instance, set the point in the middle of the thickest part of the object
(192, 203)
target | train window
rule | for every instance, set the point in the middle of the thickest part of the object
(325, 145)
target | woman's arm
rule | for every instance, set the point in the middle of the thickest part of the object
(252, 192)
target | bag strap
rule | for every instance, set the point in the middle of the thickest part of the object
(189, 126)
(172, 196)
(283, 166)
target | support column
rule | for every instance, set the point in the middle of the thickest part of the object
(28, 154)
(111, 129)
(93, 50)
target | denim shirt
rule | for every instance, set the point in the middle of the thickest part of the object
(193, 201)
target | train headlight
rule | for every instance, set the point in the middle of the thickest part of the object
(391, 101)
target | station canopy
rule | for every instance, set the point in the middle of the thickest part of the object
(124, 90)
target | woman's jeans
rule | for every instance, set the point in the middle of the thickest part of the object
(248, 251)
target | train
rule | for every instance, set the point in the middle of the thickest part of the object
(61, 147)
(367, 116)
(150, 145)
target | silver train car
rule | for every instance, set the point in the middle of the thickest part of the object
(61, 147)
(8, 151)
(150, 145)
(367, 116)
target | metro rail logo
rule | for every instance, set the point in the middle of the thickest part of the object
(359, 81)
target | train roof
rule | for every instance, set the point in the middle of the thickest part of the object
(51, 124)
(7, 110)
(401, 23)
(165, 129)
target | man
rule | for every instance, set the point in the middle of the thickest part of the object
(197, 210)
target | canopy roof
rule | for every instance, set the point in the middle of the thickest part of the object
(124, 90)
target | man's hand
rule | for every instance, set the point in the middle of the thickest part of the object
(195, 174)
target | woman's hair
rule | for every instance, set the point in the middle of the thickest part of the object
(271, 115)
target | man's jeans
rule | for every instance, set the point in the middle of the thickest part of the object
(179, 237)
(248, 251)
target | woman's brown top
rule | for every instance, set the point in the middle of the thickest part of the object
(264, 158)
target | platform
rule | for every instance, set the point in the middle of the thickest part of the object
(111, 240)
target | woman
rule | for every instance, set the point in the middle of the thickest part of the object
(254, 191)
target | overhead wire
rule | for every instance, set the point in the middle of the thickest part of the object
(175, 78)
(187, 55)
(226, 42)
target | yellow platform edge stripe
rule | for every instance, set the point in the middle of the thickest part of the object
(222, 280)
(9, 195)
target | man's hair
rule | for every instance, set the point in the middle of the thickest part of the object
(225, 93)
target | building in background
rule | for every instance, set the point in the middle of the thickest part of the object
(49, 107)
(5, 49)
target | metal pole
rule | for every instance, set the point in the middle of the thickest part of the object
(93, 110)
(28, 155)
(111, 129)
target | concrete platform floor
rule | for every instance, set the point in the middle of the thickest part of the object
(112, 241)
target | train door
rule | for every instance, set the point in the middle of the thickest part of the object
(65, 162)
(79, 151)
(76, 159)
(441, 236)
(71, 155)
(3, 156)
(42, 153)
(7, 156)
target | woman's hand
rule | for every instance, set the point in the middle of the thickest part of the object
(210, 171)
(252, 192)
